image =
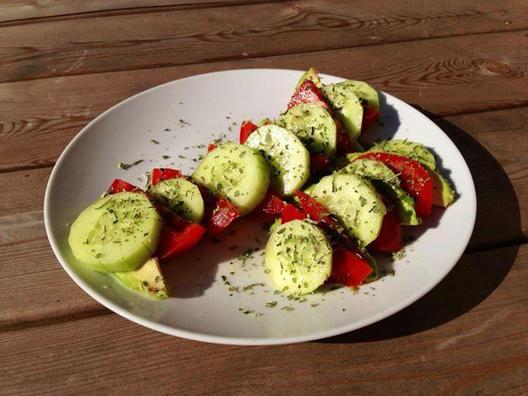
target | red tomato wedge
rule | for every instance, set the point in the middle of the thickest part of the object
(413, 176)
(160, 174)
(390, 237)
(119, 185)
(343, 143)
(174, 242)
(246, 129)
(223, 215)
(272, 205)
(349, 268)
(290, 213)
(319, 163)
(308, 93)
(314, 209)
(370, 115)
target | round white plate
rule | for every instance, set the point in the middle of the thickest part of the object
(213, 299)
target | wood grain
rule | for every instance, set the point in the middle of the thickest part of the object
(175, 37)
(498, 163)
(444, 76)
(447, 346)
(27, 11)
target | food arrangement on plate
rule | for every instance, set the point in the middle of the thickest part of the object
(333, 203)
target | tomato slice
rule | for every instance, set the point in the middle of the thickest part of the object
(314, 209)
(343, 143)
(308, 93)
(272, 205)
(211, 147)
(390, 237)
(246, 129)
(223, 215)
(319, 163)
(370, 115)
(290, 212)
(413, 176)
(174, 242)
(349, 268)
(160, 174)
(119, 185)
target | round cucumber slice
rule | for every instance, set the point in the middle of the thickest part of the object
(347, 105)
(313, 125)
(363, 91)
(289, 159)
(237, 172)
(180, 196)
(387, 181)
(117, 233)
(298, 258)
(354, 201)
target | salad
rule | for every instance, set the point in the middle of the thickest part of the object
(333, 202)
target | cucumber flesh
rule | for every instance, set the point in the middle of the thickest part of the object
(117, 233)
(237, 172)
(147, 280)
(314, 125)
(180, 196)
(354, 201)
(287, 156)
(298, 258)
(387, 181)
(347, 106)
(363, 91)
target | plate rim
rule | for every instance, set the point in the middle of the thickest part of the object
(227, 340)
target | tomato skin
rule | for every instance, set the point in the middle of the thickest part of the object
(272, 205)
(246, 129)
(211, 147)
(390, 237)
(174, 242)
(370, 115)
(319, 163)
(348, 267)
(308, 93)
(413, 176)
(222, 216)
(161, 174)
(314, 209)
(119, 185)
(290, 213)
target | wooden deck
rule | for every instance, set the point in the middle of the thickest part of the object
(465, 64)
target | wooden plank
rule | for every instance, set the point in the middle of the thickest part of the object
(499, 165)
(445, 76)
(17, 11)
(146, 40)
(467, 336)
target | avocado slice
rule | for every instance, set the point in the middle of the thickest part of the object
(443, 192)
(386, 181)
(147, 280)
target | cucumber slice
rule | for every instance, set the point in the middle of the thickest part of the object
(146, 280)
(354, 201)
(237, 172)
(388, 182)
(443, 192)
(312, 75)
(180, 196)
(298, 258)
(348, 107)
(289, 159)
(363, 91)
(117, 233)
(313, 125)
(415, 151)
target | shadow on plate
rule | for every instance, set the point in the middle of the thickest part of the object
(476, 275)
(191, 274)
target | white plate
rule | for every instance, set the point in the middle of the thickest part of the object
(194, 111)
